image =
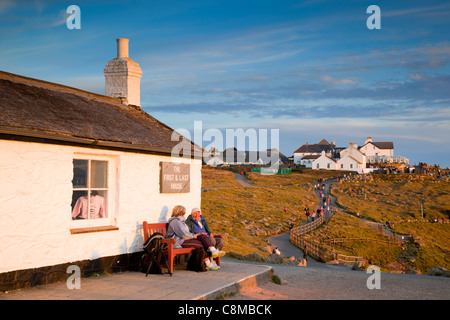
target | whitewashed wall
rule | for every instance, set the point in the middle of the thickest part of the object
(371, 150)
(323, 161)
(36, 195)
(346, 162)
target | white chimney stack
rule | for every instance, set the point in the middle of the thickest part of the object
(122, 48)
(123, 76)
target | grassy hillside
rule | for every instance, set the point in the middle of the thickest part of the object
(248, 215)
(397, 198)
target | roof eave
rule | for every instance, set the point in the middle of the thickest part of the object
(48, 137)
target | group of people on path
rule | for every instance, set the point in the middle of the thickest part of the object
(325, 201)
(324, 204)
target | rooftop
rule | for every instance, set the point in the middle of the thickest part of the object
(314, 148)
(50, 111)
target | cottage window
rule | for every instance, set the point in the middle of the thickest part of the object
(90, 189)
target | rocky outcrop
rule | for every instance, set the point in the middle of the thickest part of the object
(439, 272)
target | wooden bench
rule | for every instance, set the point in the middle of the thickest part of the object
(170, 252)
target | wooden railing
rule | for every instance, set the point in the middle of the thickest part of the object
(313, 248)
(309, 226)
(348, 259)
(316, 249)
(343, 240)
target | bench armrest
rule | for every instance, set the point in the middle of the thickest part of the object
(168, 241)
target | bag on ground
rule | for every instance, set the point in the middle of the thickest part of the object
(196, 261)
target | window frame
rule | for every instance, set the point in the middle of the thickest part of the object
(89, 224)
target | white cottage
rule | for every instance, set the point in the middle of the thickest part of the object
(324, 162)
(352, 159)
(307, 153)
(80, 172)
(377, 149)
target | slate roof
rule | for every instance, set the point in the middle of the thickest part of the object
(54, 112)
(314, 148)
(310, 157)
(323, 142)
(381, 145)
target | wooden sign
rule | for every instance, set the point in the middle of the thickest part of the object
(175, 177)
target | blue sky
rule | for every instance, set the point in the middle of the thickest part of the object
(311, 69)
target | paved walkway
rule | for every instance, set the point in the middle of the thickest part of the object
(183, 285)
(287, 249)
(321, 282)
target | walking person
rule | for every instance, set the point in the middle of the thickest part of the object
(291, 225)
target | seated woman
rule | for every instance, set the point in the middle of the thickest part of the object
(178, 230)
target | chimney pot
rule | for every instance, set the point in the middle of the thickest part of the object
(122, 48)
(123, 76)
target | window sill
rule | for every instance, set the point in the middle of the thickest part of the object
(93, 229)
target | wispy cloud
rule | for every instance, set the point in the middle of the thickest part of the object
(416, 11)
(32, 16)
(250, 46)
(338, 82)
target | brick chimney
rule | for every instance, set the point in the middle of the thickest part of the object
(123, 76)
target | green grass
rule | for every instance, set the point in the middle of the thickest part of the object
(276, 279)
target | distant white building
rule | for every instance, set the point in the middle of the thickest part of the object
(352, 159)
(324, 162)
(381, 152)
(360, 159)
(213, 157)
(350, 164)
(232, 156)
(308, 153)
(377, 149)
